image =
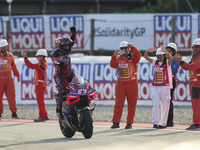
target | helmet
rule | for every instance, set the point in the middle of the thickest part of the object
(3, 43)
(123, 44)
(41, 52)
(196, 42)
(172, 45)
(60, 42)
(158, 51)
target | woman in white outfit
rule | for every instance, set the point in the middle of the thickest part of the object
(161, 85)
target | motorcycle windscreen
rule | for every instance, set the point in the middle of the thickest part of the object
(78, 81)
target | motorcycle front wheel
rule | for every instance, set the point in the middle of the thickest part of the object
(66, 131)
(87, 124)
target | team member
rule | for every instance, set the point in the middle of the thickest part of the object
(7, 63)
(161, 85)
(172, 49)
(40, 81)
(62, 63)
(127, 83)
(194, 78)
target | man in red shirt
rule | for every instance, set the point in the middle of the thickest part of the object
(40, 81)
(7, 64)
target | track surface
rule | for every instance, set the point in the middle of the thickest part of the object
(25, 134)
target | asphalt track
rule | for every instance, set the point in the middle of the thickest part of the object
(21, 134)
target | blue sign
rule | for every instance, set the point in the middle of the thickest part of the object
(27, 25)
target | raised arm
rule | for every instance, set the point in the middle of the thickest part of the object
(136, 53)
(185, 65)
(114, 61)
(31, 65)
(73, 36)
(168, 54)
(146, 56)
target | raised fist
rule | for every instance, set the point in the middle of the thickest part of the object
(73, 30)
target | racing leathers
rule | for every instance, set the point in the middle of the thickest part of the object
(63, 75)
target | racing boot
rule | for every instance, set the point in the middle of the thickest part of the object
(59, 112)
(59, 108)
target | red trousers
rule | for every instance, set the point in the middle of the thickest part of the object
(127, 89)
(195, 100)
(196, 110)
(40, 91)
(7, 85)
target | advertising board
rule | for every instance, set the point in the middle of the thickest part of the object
(102, 78)
(35, 32)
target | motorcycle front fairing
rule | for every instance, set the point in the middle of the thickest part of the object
(79, 99)
(81, 93)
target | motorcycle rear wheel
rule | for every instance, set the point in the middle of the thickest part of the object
(87, 124)
(66, 131)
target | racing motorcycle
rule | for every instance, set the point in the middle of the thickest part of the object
(77, 109)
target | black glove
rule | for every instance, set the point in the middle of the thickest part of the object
(67, 91)
(61, 93)
(73, 30)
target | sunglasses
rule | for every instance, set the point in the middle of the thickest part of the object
(159, 55)
(195, 46)
(123, 48)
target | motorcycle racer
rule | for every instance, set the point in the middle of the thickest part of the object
(62, 63)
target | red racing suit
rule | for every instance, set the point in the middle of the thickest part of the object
(194, 78)
(127, 84)
(7, 63)
(40, 84)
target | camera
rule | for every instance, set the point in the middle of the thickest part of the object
(120, 52)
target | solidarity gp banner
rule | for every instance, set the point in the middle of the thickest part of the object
(111, 29)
